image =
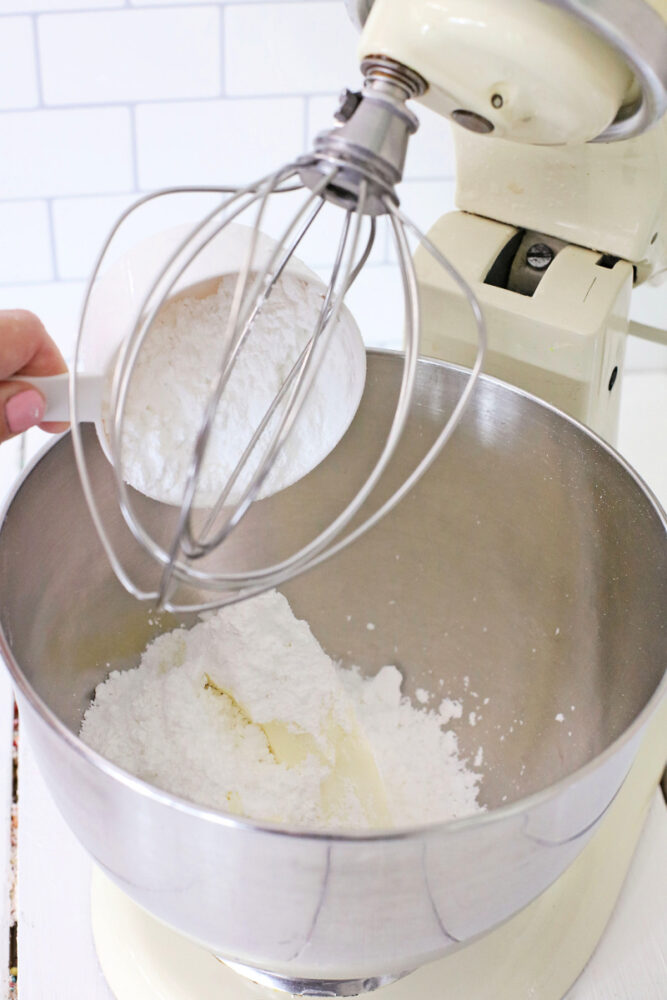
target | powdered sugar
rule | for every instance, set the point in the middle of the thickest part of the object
(246, 713)
(178, 366)
(419, 762)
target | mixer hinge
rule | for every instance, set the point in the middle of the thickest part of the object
(526, 258)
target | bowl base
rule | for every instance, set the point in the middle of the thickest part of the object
(308, 988)
(144, 959)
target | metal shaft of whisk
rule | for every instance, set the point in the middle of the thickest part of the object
(173, 269)
(144, 539)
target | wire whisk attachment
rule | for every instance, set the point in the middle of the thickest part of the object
(351, 173)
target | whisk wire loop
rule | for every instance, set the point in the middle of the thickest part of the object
(153, 301)
(399, 220)
(142, 537)
(233, 340)
(146, 317)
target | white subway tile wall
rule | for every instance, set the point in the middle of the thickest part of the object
(44, 154)
(216, 142)
(40, 6)
(124, 55)
(289, 48)
(25, 241)
(80, 226)
(104, 100)
(18, 65)
(57, 303)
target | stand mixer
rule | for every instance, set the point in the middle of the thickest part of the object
(563, 207)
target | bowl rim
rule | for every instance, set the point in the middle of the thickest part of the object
(486, 818)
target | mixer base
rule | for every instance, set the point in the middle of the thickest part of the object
(538, 953)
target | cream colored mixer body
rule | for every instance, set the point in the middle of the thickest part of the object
(552, 239)
(557, 221)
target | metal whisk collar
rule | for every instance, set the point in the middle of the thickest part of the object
(355, 167)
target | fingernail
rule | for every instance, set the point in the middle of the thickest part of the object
(24, 410)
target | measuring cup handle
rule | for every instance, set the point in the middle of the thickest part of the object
(55, 389)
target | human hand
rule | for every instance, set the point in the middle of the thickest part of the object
(25, 349)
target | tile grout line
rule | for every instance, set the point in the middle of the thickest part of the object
(74, 196)
(38, 62)
(134, 146)
(306, 123)
(81, 279)
(52, 240)
(37, 282)
(23, 199)
(222, 41)
(62, 10)
(228, 98)
(128, 5)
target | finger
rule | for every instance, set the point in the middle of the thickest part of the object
(53, 426)
(21, 407)
(26, 349)
(20, 414)
(25, 346)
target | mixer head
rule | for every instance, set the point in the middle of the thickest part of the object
(543, 72)
(354, 167)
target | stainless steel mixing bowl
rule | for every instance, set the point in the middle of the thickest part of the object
(529, 568)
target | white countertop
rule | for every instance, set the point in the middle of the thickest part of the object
(56, 958)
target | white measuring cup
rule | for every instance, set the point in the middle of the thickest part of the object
(55, 390)
(118, 296)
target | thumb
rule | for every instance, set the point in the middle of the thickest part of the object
(21, 407)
